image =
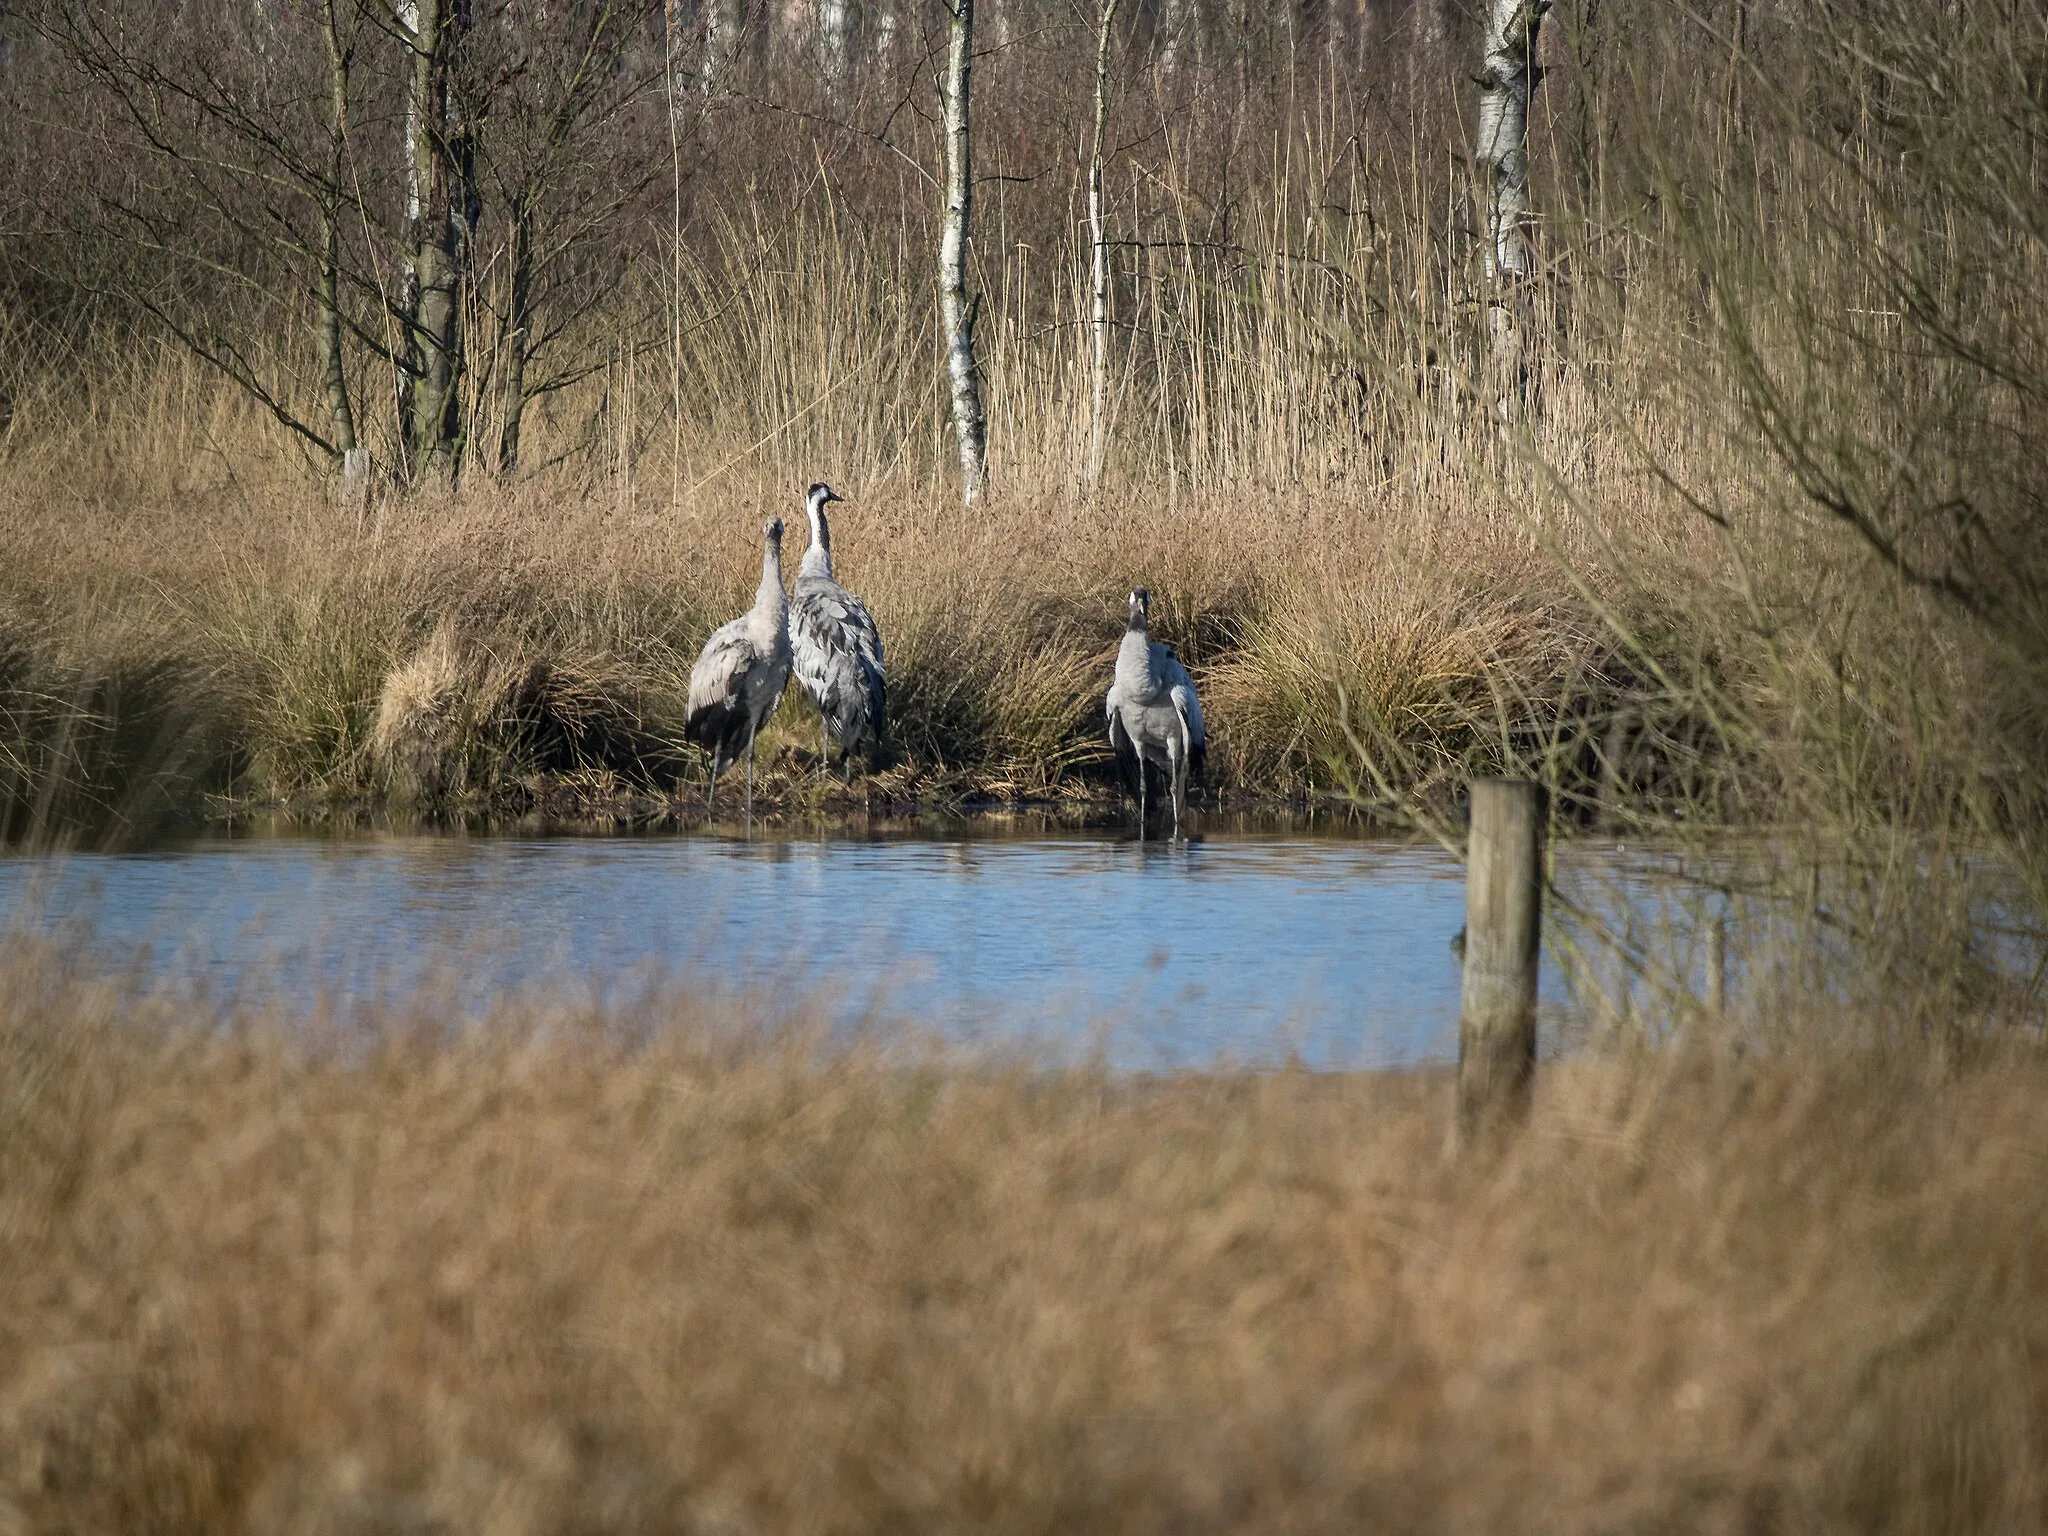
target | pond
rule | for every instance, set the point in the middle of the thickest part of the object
(1250, 944)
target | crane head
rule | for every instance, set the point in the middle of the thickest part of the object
(773, 532)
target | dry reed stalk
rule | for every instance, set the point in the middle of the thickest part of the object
(1303, 407)
(688, 1268)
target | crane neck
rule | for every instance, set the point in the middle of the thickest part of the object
(818, 558)
(769, 596)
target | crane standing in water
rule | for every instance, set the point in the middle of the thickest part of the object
(740, 674)
(836, 649)
(1153, 713)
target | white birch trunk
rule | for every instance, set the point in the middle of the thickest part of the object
(341, 415)
(835, 39)
(722, 21)
(969, 426)
(882, 16)
(1098, 240)
(1508, 76)
(408, 14)
(1437, 23)
(1178, 22)
(675, 33)
(432, 284)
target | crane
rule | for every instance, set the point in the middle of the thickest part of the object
(836, 649)
(740, 674)
(1154, 716)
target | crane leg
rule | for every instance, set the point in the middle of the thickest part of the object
(824, 746)
(1180, 789)
(750, 778)
(1141, 797)
(711, 784)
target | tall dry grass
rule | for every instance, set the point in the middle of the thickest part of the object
(1269, 543)
(697, 1268)
(1675, 550)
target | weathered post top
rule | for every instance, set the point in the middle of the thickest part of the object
(1503, 932)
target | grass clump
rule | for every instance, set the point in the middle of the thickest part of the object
(464, 723)
(1428, 686)
(102, 739)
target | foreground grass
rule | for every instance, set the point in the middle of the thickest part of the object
(678, 1269)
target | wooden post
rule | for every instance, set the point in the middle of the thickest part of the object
(1503, 932)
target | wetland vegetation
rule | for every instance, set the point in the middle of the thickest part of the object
(1738, 525)
(1726, 524)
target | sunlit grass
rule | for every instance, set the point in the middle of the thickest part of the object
(685, 1265)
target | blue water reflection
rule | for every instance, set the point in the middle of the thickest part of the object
(1245, 948)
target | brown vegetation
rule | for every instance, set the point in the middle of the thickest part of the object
(1739, 524)
(694, 1269)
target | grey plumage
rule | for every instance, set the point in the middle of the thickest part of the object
(836, 649)
(741, 672)
(1154, 716)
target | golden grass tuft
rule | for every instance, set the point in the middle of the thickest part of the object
(686, 1268)
(467, 722)
(1435, 684)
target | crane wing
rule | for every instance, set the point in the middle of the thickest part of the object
(721, 667)
(1119, 738)
(718, 683)
(1181, 689)
(837, 656)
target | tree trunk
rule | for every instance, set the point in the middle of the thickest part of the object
(675, 32)
(433, 286)
(407, 14)
(1508, 76)
(723, 20)
(1098, 238)
(341, 414)
(1438, 23)
(882, 27)
(968, 423)
(835, 39)
(1177, 27)
(518, 334)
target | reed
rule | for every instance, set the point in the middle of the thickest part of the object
(1734, 532)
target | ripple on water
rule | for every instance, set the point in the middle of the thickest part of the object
(1247, 947)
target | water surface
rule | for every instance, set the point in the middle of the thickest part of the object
(1248, 946)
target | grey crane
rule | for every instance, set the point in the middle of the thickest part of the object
(836, 648)
(1154, 716)
(740, 674)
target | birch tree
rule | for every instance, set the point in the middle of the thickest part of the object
(835, 31)
(1098, 241)
(433, 175)
(969, 425)
(723, 21)
(327, 322)
(1508, 76)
